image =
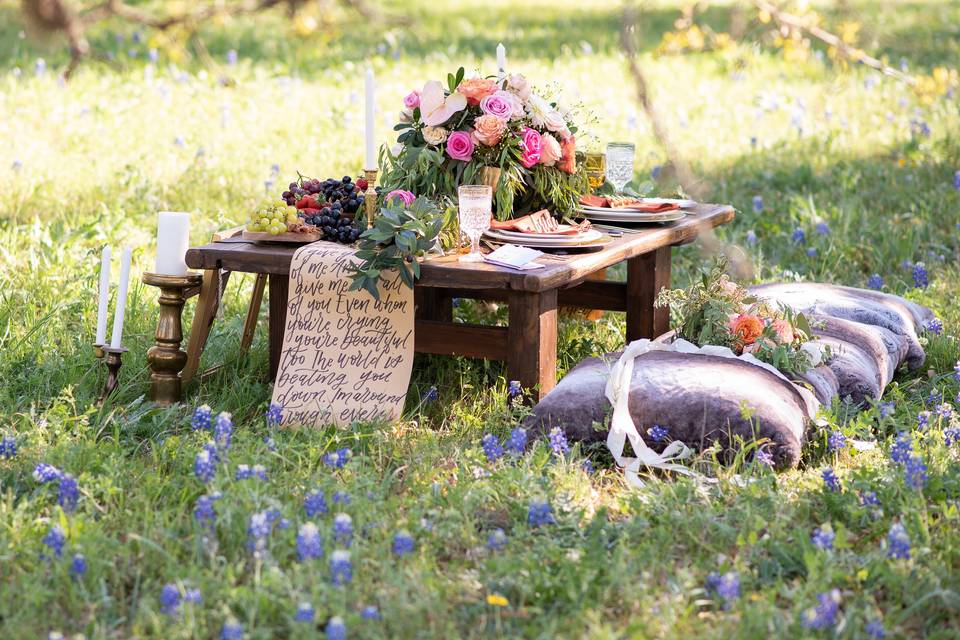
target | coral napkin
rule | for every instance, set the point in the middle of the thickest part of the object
(632, 203)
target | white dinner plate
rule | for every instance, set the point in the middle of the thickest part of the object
(589, 238)
(667, 216)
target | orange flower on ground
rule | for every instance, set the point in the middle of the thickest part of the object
(476, 89)
(746, 328)
(784, 331)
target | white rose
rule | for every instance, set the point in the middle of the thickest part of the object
(406, 116)
(555, 122)
(434, 135)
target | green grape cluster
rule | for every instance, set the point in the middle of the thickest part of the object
(273, 218)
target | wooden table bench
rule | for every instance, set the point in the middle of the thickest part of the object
(529, 343)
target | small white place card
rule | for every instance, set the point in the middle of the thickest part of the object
(515, 257)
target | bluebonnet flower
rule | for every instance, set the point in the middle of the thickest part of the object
(232, 57)
(258, 530)
(824, 615)
(951, 436)
(517, 442)
(341, 569)
(40, 67)
(933, 325)
(836, 441)
(153, 55)
(753, 142)
(539, 513)
(956, 180)
(336, 629)
(231, 631)
(429, 396)
(869, 499)
(915, 473)
(923, 419)
(55, 539)
(315, 503)
(491, 447)
(757, 204)
(270, 443)
(245, 472)
(799, 236)
(8, 447)
(956, 371)
(44, 473)
(875, 630)
(69, 493)
(764, 457)
(170, 599)
(497, 540)
(944, 410)
(587, 466)
(274, 415)
(343, 529)
(920, 279)
(830, 480)
(726, 586)
(823, 537)
(370, 612)
(202, 415)
(558, 442)
(304, 613)
(752, 236)
(657, 433)
(204, 512)
(823, 228)
(514, 389)
(17, 165)
(309, 544)
(402, 543)
(887, 409)
(906, 264)
(337, 459)
(204, 467)
(811, 252)
(223, 431)
(902, 448)
(180, 142)
(875, 282)
(898, 542)
(193, 596)
(78, 565)
(341, 497)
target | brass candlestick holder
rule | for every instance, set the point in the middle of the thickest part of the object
(113, 357)
(370, 195)
(165, 358)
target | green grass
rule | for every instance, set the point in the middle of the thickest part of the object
(100, 156)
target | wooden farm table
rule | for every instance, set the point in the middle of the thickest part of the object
(529, 343)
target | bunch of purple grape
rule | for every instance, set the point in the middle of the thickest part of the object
(335, 226)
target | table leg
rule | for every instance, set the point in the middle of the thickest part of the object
(253, 313)
(647, 274)
(203, 316)
(532, 341)
(279, 284)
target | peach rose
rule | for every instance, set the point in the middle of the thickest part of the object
(550, 151)
(476, 89)
(568, 158)
(784, 331)
(488, 129)
(746, 328)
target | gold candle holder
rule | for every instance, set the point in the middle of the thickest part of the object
(114, 359)
(370, 195)
(98, 351)
(165, 358)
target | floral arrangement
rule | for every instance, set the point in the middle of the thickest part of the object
(481, 130)
(717, 311)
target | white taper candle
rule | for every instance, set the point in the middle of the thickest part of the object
(104, 297)
(501, 61)
(370, 159)
(121, 309)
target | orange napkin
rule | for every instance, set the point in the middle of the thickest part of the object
(538, 222)
(639, 205)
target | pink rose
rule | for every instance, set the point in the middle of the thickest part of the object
(476, 89)
(406, 196)
(412, 100)
(783, 330)
(460, 146)
(488, 129)
(500, 104)
(550, 151)
(532, 145)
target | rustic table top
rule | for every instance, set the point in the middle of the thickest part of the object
(236, 254)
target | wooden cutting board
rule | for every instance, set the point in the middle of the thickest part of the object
(286, 236)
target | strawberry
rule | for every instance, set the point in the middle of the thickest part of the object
(308, 202)
(309, 211)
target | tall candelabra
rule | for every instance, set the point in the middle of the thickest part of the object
(165, 358)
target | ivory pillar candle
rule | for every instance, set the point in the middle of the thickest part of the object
(501, 61)
(370, 159)
(121, 310)
(173, 239)
(104, 297)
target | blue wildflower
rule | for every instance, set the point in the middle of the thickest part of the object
(658, 433)
(193, 596)
(8, 447)
(304, 613)
(869, 499)
(336, 629)
(587, 466)
(836, 441)
(824, 615)
(69, 493)
(757, 204)
(830, 480)
(823, 228)
(933, 325)
(655, 171)
(202, 415)
(403, 543)
(923, 419)
(956, 180)
(898, 542)
(811, 252)
(752, 236)
(753, 142)
(875, 282)
(55, 539)
(274, 415)
(799, 236)
(341, 497)
(258, 530)
(902, 448)
(343, 529)
(920, 279)
(204, 467)
(951, 436)
(232, 57)
(78, 566)
(309, 544)
(875, 630)
(887, 409)
(204, 512)
(497, 540)
(539, 513)
(337, 459)
(944, 410)
(823, 537)
(491, 447)
(223, 431)
(726, 586)
(517, 442)
(44, 473)
(315, 503)
(558, 442)
(429, 396)
(514, 389)
(764, 457)
(231, 631)
(341, 569)
(915, 473)
(370, 612)
(170, 599)
(270, 443)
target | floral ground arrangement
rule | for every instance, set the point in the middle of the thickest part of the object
(124, 520)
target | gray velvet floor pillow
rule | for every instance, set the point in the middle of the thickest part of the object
(699, 399)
